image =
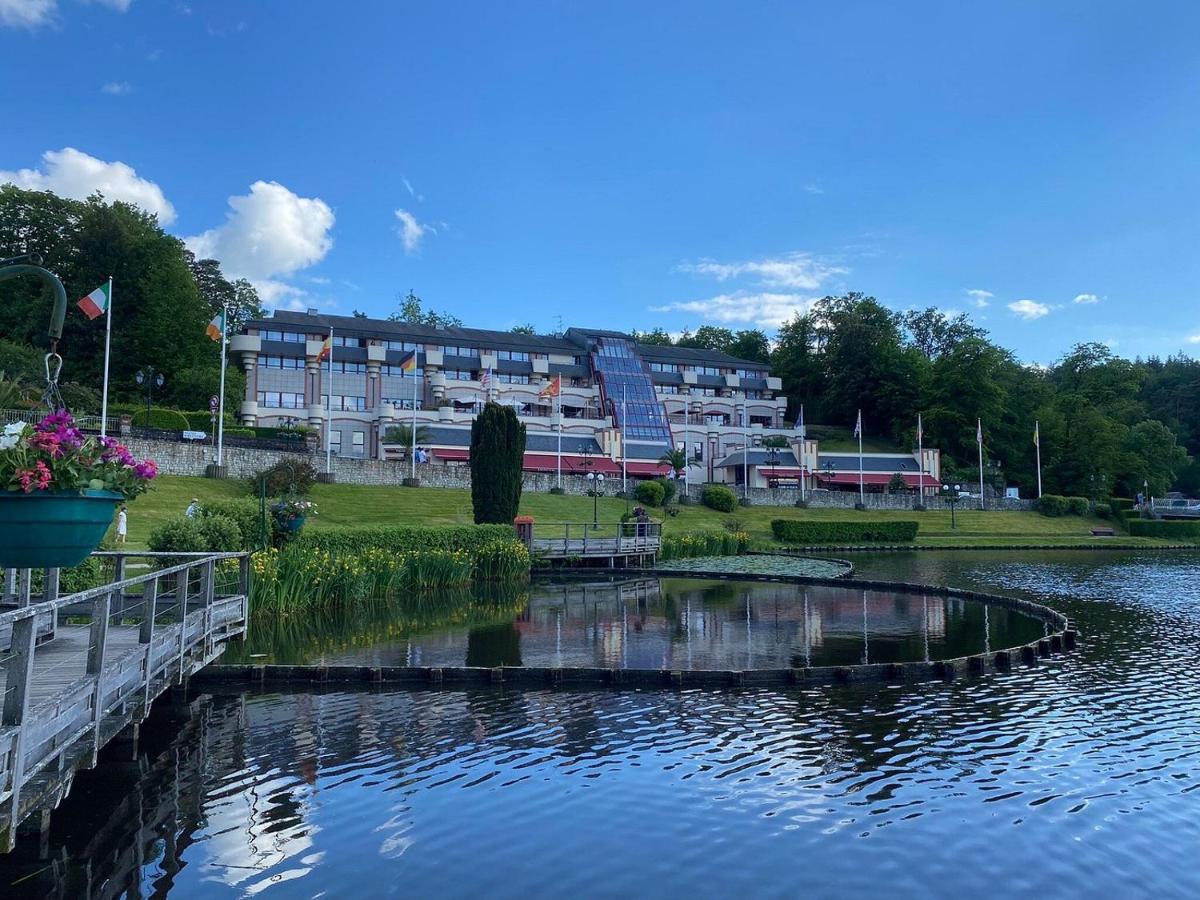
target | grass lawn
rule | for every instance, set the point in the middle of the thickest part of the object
(344, 504)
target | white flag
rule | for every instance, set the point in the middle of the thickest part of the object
(920, 431)
(858, 425)
(978, 431)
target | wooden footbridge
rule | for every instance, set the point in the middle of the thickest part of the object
(611, 543)
(79, 669)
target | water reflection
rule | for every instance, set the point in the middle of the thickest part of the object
(673, 623)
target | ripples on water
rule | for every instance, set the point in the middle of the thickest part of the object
(1082, 774)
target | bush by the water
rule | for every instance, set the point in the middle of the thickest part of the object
(792, 531)
(1054, 505)
(203, 534)
(704, 543)
(1180, 531)
(1103, 510)
(249, 518)
(650, 492)
(1078, 506)
(719, 497)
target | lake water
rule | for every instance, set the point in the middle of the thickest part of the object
(1082, 775)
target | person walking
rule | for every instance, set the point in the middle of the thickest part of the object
(122, 524)
(193, 509)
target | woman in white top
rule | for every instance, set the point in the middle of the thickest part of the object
(122, 524)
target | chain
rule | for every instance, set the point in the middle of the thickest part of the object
(52, 398)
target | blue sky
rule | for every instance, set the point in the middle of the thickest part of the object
(632, 165)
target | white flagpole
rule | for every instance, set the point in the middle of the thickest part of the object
(979, 440)
(412, 437)
(1037, 444)
(803, 443)
(221, 389)
(745, 450)
(862, 494)
(558, 448)
(920, 462)
(329, 408)
(624, 452)
(687, 448)
(107, 346)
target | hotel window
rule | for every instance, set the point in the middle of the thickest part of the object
(402, 345)
(752, 395)
(406, 403)
(346, 368)
(346, 402)
(664, 367)
(291, 337)
(359, 441)
(750, 373)
(347, 341)
(505, 378)
(266, 361)
(460, 351)
(280, 400)
(666, 389)
(458, 374)
(397, 372)
(517, 355)
(335, 441)
(706, 370)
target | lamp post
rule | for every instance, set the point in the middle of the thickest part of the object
(772, 462)
(596, 480)
(151, 378)
(951, 495)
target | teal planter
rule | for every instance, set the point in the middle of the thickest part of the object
(53, 530)
(293, 524)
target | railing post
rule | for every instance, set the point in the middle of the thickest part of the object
(146, 635)
(181, 593)
(24, 587)
(207, 590)
(10, 584)
(16, 706)
(50, 594)
(97, 644)
(119, 576)
(585, 537)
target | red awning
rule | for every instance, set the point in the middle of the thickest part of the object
(910, 480)
(547, 462)
(452, 455)
(646, 468)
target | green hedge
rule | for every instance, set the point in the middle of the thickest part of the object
(1054, 505)
(650, 492)
(203, 534)
(1179, 531)
(792, 531)
(404, 538)
(246, 515)
(1078, 506)
(720, 498)
(164, 419)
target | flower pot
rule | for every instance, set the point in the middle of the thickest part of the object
(53, 530)
(294, 524)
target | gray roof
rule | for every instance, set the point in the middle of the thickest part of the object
(662, 353)
(848, 462)
(535, 441)
(638, 450)
(761, 456)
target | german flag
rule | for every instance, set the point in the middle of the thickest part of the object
(410, 363)
(326, 349)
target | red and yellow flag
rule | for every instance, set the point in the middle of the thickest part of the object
(326, 348)
(410, 363)
(553, 389)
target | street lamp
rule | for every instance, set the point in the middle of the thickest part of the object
(150, 378)
(596, 480)
(773, 461)
(951, 495)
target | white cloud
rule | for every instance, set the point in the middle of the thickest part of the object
(1194, 339)
(72, 173)
(268, 232)
(116, 87)
(27, 13)
(411, 231)
(280, 295)
(1086, 298)
(795, 270)
(319, 279)
(117, 5)
(1029, 309)
(814, 188)
(765, 309)
(980, 297)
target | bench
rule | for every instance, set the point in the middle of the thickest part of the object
(1103, 532)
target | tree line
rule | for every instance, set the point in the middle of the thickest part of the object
(1108, 425)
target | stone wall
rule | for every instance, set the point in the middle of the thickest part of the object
(178, 458)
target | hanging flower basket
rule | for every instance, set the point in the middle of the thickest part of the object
(292, 513)
(59, 490)
(52, 529)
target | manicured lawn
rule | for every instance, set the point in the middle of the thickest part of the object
(341, 505)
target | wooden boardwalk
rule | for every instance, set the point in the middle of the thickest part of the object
(625, 541)
(79, 669)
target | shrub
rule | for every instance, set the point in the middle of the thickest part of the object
(704, 543)
(792, 531)
(497, 455)
(1052, 505)
(719, 497)
(1078, 506)
(285, 477)
(1180, 531)
(203, 534)
(651, 493)
(163, 419)
(248, 517)
(670, 489)
(1103, 510)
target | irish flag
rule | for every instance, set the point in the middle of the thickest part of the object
(216, 327)
(95, 304)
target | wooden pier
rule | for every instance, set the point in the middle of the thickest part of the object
(80, 669)
(615, 544)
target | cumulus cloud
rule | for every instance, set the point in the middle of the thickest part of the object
(764, 309)
(73, 173)
(814, 188)
(118, 5)
(798, 271)
(1029, 310)
(1194, 339)
(980, 298)
(411, 231)
(268, 232)
(27, 13)
(116, 87)
(1086, 298)
(281, 295)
